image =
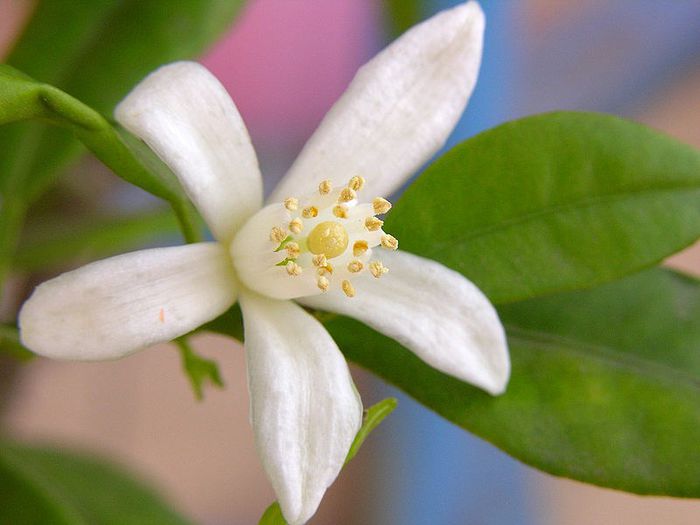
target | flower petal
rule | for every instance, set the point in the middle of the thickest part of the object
(116, 306)
(399, 109)
(433, 311)
(186, 116)
(305, 410)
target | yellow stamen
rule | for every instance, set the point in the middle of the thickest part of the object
(355, 266)
(293, 250)
(348, 289)
(378, 269)
(323, 270)
(296, 225)
(277, 234)
(373, 224)
(293, 268)
(340, 211)
(381, 205)
(389, 242)
(309, 212)
(359, 248)
(329, 238)
(346, 195)
(322, 283)
(291, 203)
(319, 260)
(325, 187)
(356, 183)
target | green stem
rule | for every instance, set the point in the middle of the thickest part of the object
(187, 219)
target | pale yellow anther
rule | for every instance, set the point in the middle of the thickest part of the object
(293, 268)
(291, 203)
(323, 284)
(278, 234)
(378, 269)
(340, 211)
(309, 212)
(346, 195)
(323, 270)
(389, 242)
(296, 225)
(373, 224)
(319, 260)
(356, 183)
(293, 250)
(325, 187)
(355, 266)
(359, 248)
(380, 205)
(348, 289)
(329, 238)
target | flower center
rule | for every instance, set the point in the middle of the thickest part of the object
(328, 238)
(321, 242)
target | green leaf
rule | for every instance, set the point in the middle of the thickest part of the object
(47, 486)
(553, 202)
(371, 419)
(198, 369)
(373, 416)
(57, 243)
(273, 516)
(605, 384)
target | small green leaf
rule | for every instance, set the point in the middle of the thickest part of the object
(199, 370)
(553, 202)
(40, 486)
(371, 419)
(273, 516)
(11, 345)
(373, 416)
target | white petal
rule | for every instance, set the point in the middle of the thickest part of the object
(116, 306)
(399, 109)
(304, 407)
(186, 116)
(433, 311)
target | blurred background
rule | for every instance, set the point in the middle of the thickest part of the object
(284, 62)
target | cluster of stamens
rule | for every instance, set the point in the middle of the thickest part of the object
(330, 225)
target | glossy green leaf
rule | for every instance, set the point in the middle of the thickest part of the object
(371, 419)
(553, 202)
(40, 486)
(199, 370)
(605, 386)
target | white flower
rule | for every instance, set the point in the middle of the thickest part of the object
(313, 243)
